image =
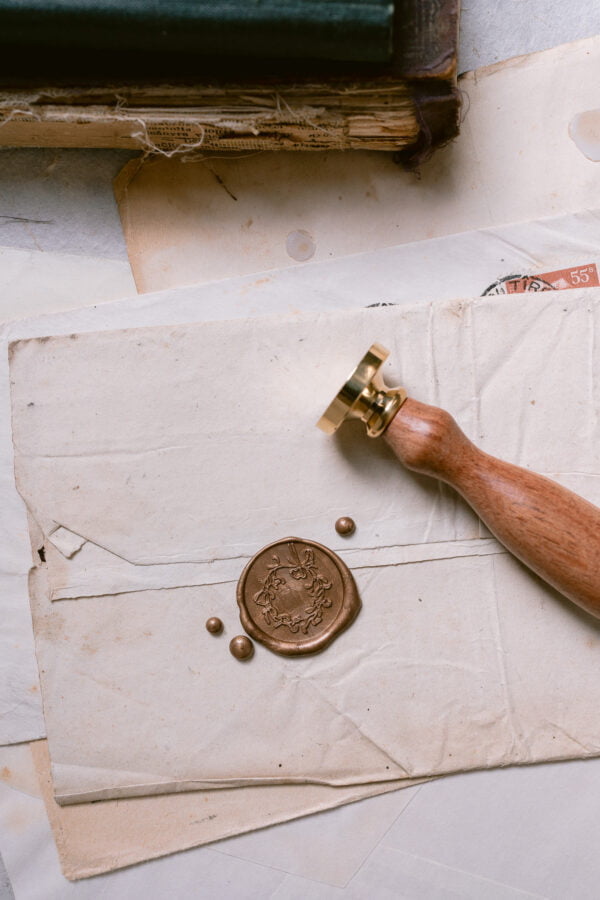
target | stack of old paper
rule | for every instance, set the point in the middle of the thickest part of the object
(145, 503)
(149, 502)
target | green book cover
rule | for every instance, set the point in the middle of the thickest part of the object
(336, 30)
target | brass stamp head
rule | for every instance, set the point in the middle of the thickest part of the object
(365, 396)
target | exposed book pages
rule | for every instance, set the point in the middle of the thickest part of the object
(174, 104)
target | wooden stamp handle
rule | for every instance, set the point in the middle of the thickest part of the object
(549, 528)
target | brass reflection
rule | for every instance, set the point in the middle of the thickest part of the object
(365, 396)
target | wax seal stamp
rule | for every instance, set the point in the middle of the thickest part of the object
(549, 528)
(296, 596)
(365, 396)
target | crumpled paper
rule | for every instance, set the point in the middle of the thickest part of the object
(161, 473)
(32, 282)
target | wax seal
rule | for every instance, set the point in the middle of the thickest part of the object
(296, 596)
(214, 625)
(241, 647)
(345, 526)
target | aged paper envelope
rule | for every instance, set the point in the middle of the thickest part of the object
(564, 247)
(32, 282)
(101, 837)
(523, 153)
(20, 270)
(443, 267)
(121, 454)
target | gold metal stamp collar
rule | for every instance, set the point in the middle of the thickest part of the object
(365, 396)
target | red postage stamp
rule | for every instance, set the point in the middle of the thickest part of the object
(560, 280)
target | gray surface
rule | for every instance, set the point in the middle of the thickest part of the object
(492, 31)
(6, 891)
(61, 201)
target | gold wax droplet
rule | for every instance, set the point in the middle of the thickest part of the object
(241, 647)
(214, 625)
(345, 526)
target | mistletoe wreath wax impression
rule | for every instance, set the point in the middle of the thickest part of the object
(296, 596)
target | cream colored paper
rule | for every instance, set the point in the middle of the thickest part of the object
(562, 242)
(468, 262)
(32, 281)
(220, 419)
(102, 837)
(18, 650)
(35, 282)
(113, 835)
(518, 158)
(494, 831)
(433, 633)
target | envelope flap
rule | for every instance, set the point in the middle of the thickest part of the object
(197, 443)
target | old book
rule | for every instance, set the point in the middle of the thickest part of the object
(181, 103)
(104, 31)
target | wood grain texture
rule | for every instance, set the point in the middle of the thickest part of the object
(549, 528)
